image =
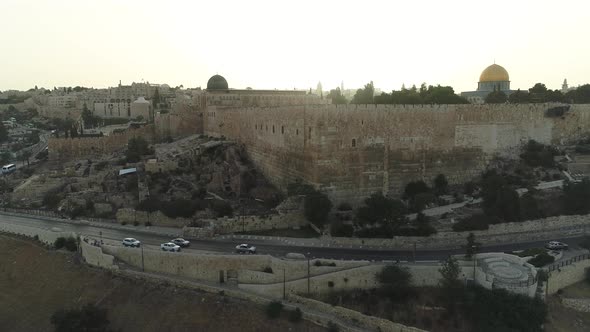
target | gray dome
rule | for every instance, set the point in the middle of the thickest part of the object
(217, 82)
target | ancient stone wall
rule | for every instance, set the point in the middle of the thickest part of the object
(351, 151)
(179, 124)
(68, 148)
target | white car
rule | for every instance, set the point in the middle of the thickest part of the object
(131, 242)
(181, 242)
(245, 249)
(169, 246)
(554, 245)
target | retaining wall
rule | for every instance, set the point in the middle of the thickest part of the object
(369, 323)
(47, 236)
(567, 275)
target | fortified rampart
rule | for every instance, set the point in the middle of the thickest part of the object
(352, 151)
(66, 148)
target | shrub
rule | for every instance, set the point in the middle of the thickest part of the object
(295, 315)
(273, 309)
(344, 207)
(330, 284)
(395, 281)
(267, 269)
(221, 208)
(71, 244)
(316, 207)
(147, 223)
(135, 223)
(333, 327)
(542, 260)
(88, 318)
(317, 263)
(52, 198)
(123, 223)
(59, 243)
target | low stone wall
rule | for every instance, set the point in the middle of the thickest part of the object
(258, 223)
(567, 275)
(358, 278)
(369, 323)
(582, 305)
(93, 255)
(157, 218)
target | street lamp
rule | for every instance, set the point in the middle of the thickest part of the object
(308, 273)
(474, 260)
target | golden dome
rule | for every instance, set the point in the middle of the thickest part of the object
(494, 73)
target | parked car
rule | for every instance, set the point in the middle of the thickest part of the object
(169, 246)
(131, 242)
(554, 245)
(245, 249)
(181, 242)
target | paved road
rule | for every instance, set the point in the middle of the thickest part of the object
(153, 241)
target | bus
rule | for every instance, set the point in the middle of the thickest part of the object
(8, 168)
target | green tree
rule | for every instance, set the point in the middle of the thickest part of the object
(88, 318)
(382, 210)
(5, 157)
(365, 95)
(337, 97)
(87, 117)
(496, 97)
(136, 148)
(3, 133)
(316, 207)
(450, 284)
(414, 188)
(156, 98)
(471, 246)
(395, 281)
(441, 185)
(519, 97)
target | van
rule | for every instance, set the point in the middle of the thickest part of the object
(8, 168)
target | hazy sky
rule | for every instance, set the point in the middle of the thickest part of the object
(296, 43)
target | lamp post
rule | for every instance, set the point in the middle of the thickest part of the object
(474, 260)
(100, 233)
(284, 285)
(308, 273)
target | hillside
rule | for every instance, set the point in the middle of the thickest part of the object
(35, 282)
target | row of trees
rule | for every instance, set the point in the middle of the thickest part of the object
(540, 94)
(486, 310)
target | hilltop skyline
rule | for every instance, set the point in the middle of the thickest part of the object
(266, 45)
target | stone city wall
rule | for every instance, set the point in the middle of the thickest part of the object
(369, 323)
(351, 151)
(567, 276)
(68, 148)
(179, 124)
(157, 218)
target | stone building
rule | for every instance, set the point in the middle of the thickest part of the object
(493, 78)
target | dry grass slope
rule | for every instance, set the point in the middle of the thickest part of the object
(35, 282)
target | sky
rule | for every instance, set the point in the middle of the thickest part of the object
(292, 44)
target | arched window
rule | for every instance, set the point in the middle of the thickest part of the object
(353, 143)
(282, 129)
